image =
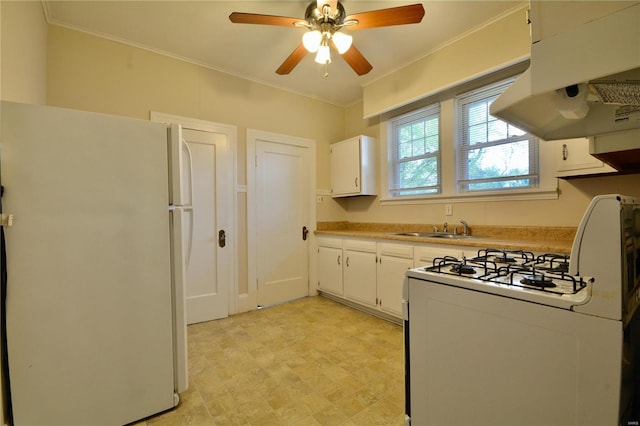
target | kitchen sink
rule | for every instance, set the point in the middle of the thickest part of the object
(450, 235)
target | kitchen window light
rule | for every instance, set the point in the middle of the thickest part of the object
(414, 154)
(492, 154)
(460, 175)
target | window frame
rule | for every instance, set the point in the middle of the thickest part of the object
(395, 160)
(463, 145)
(548, 183)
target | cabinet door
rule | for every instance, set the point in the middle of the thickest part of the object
(330, 269)
(573, 159)
(360, 276)
(391, 272)
(345, 167)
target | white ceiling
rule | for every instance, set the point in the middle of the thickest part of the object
(200, 32)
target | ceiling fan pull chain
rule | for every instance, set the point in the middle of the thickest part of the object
(326, 69)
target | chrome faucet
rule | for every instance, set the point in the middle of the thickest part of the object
(465, 227)
(445, 227)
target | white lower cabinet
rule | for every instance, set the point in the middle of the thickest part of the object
(330, 265)
(370, 273)
(359, 271)
(424, 255)
(393, 261)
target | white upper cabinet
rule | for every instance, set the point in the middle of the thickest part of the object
(353, 167)
(573, 159)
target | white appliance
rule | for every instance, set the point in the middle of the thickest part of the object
(515, 338)
(95, 319)
(584, 81)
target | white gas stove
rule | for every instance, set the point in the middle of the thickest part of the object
(513, 337)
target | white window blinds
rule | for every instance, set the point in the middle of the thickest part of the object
(492, 154)
(414, 155)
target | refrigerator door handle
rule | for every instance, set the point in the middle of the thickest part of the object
(179, 268)
(187, 258)
(189, 243)
(181, 173)
(189, 171)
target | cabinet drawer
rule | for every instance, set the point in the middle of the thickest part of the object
(329, 242)
(424, 255)
(360, 245)
(395, 250)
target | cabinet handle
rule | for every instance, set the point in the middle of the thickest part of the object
(356, 181)
(347, 262)
(565, 152)
(222, 238)
(305, 232)
(338, 259)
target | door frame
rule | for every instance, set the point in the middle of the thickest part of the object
(249, 301)
(231, 212)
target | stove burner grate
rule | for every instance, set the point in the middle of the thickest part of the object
(553, 263)
(525, 272)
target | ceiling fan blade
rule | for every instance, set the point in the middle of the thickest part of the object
(357, 61)
(294, 59)
(411, 14)
(255, 18)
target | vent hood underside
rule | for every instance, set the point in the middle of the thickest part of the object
(582, 82)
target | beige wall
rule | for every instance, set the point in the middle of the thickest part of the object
(502, 42)
(90, 73)
(491, 47)
(24, 47)
(567, 210)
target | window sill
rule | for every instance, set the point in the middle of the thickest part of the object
(472, 197)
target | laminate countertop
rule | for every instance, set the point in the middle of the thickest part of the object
(530, 238)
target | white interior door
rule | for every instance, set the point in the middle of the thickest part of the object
(210, 257)
(206, 287)
(283, 228)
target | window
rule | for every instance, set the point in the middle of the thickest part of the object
(415, 153)
(492, 154)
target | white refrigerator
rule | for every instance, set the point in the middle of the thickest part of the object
(94, 300)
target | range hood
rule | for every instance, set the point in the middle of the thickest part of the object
(582, 82)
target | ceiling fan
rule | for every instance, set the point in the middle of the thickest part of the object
(324, 19)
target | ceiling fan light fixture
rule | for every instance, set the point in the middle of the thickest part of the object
(342, 41)
(324, 55)
(324, 19)
(311, 40)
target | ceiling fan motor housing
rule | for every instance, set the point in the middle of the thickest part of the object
(315, 16)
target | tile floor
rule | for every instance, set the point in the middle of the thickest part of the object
(308, 362)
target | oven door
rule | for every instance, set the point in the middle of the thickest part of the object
(478, 358)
